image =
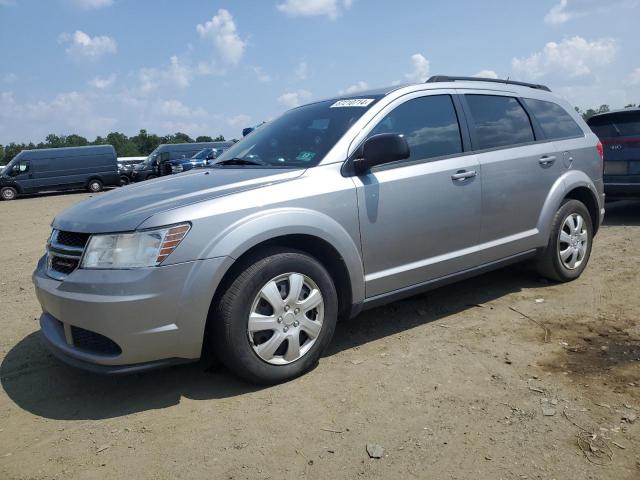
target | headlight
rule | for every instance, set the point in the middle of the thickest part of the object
(146, 248)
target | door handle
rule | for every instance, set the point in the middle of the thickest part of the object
(547, 160)
(463, 175)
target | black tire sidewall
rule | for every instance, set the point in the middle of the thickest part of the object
(567, 208)
(238, 353)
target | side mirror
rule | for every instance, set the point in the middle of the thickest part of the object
(380, 149)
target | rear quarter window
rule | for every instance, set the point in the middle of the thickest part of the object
(554, 120)
(498, 121)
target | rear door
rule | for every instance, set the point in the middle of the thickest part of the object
(420, 217)
(518, 171)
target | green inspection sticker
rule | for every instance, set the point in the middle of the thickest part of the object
(305, 156)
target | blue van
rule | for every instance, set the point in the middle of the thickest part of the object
(159, 162)
(619, 132)
(50, 169)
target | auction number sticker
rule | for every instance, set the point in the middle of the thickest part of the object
(354, 102)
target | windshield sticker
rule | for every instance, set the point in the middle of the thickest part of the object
(354, 102)
(305, 156)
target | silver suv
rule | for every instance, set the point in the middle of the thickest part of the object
(332, 208)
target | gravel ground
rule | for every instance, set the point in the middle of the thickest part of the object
(458, 383)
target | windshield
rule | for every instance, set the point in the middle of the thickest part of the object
(298, 139)
(622, 124)
(202, 154)
(149, 160)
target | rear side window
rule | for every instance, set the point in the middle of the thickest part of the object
(621, 124)
(429, 124)
(553, 119)
(499, 121)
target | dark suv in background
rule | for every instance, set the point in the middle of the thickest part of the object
(619, 132)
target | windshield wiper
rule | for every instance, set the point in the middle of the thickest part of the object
(240, 161)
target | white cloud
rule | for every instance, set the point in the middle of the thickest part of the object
(486, 74)
(313, 8)
(175, 108)
(294, 99)
(355, 88)
(93, 4)
(566, 10)
(573, 57)
(302, 71)
(9, 77)
(420, 71)
(222, 30)
(261, 75)
(239, 121)
(634, 77)
(558, 14)
(103, 82)
(178, 73)
(84, 46)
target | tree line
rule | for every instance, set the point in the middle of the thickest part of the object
(141, 144)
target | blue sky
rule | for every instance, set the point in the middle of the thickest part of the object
(207, 67)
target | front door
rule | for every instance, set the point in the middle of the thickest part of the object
(420, 217)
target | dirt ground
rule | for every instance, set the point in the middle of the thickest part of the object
(454, 384)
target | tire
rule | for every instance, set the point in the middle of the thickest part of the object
(94, 186)
(253, 355)
(124, 180)
(8, 193)
(150, 177)
(574, 244)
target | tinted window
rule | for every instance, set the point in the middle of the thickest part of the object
(553, 119)
(499, 121)
(429, 124)
(621, 124)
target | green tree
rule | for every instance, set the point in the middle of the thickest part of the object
(204, 138)
(75, 141)
(631, 105)
(219, 138)
(1, 155)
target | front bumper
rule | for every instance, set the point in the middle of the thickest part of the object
(148, 317)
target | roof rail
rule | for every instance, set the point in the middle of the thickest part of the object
(445, 78)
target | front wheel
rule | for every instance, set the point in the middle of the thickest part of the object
(274, 320)
(124, 180)
(569, 248)
(8, 193)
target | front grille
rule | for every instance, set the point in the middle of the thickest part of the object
(92, 342)
(64, 252)
(72, 239)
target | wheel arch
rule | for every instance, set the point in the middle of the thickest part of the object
(573, 184)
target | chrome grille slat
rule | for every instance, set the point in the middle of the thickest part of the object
(64, 251)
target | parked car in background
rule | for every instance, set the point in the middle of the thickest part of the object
(48, 169)
(158, 163)
(332, 208)
(619, 132)
(125, 167)
(203, 158)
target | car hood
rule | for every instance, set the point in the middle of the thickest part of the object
(125, 208)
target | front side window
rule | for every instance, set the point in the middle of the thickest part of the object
(553, 119)
(20, 168)
(498, 121)
(429, 124)
(300, 138)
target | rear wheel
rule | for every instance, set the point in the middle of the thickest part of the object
(276, 317)
(94, 186)
(569, 248)
(8, 193)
